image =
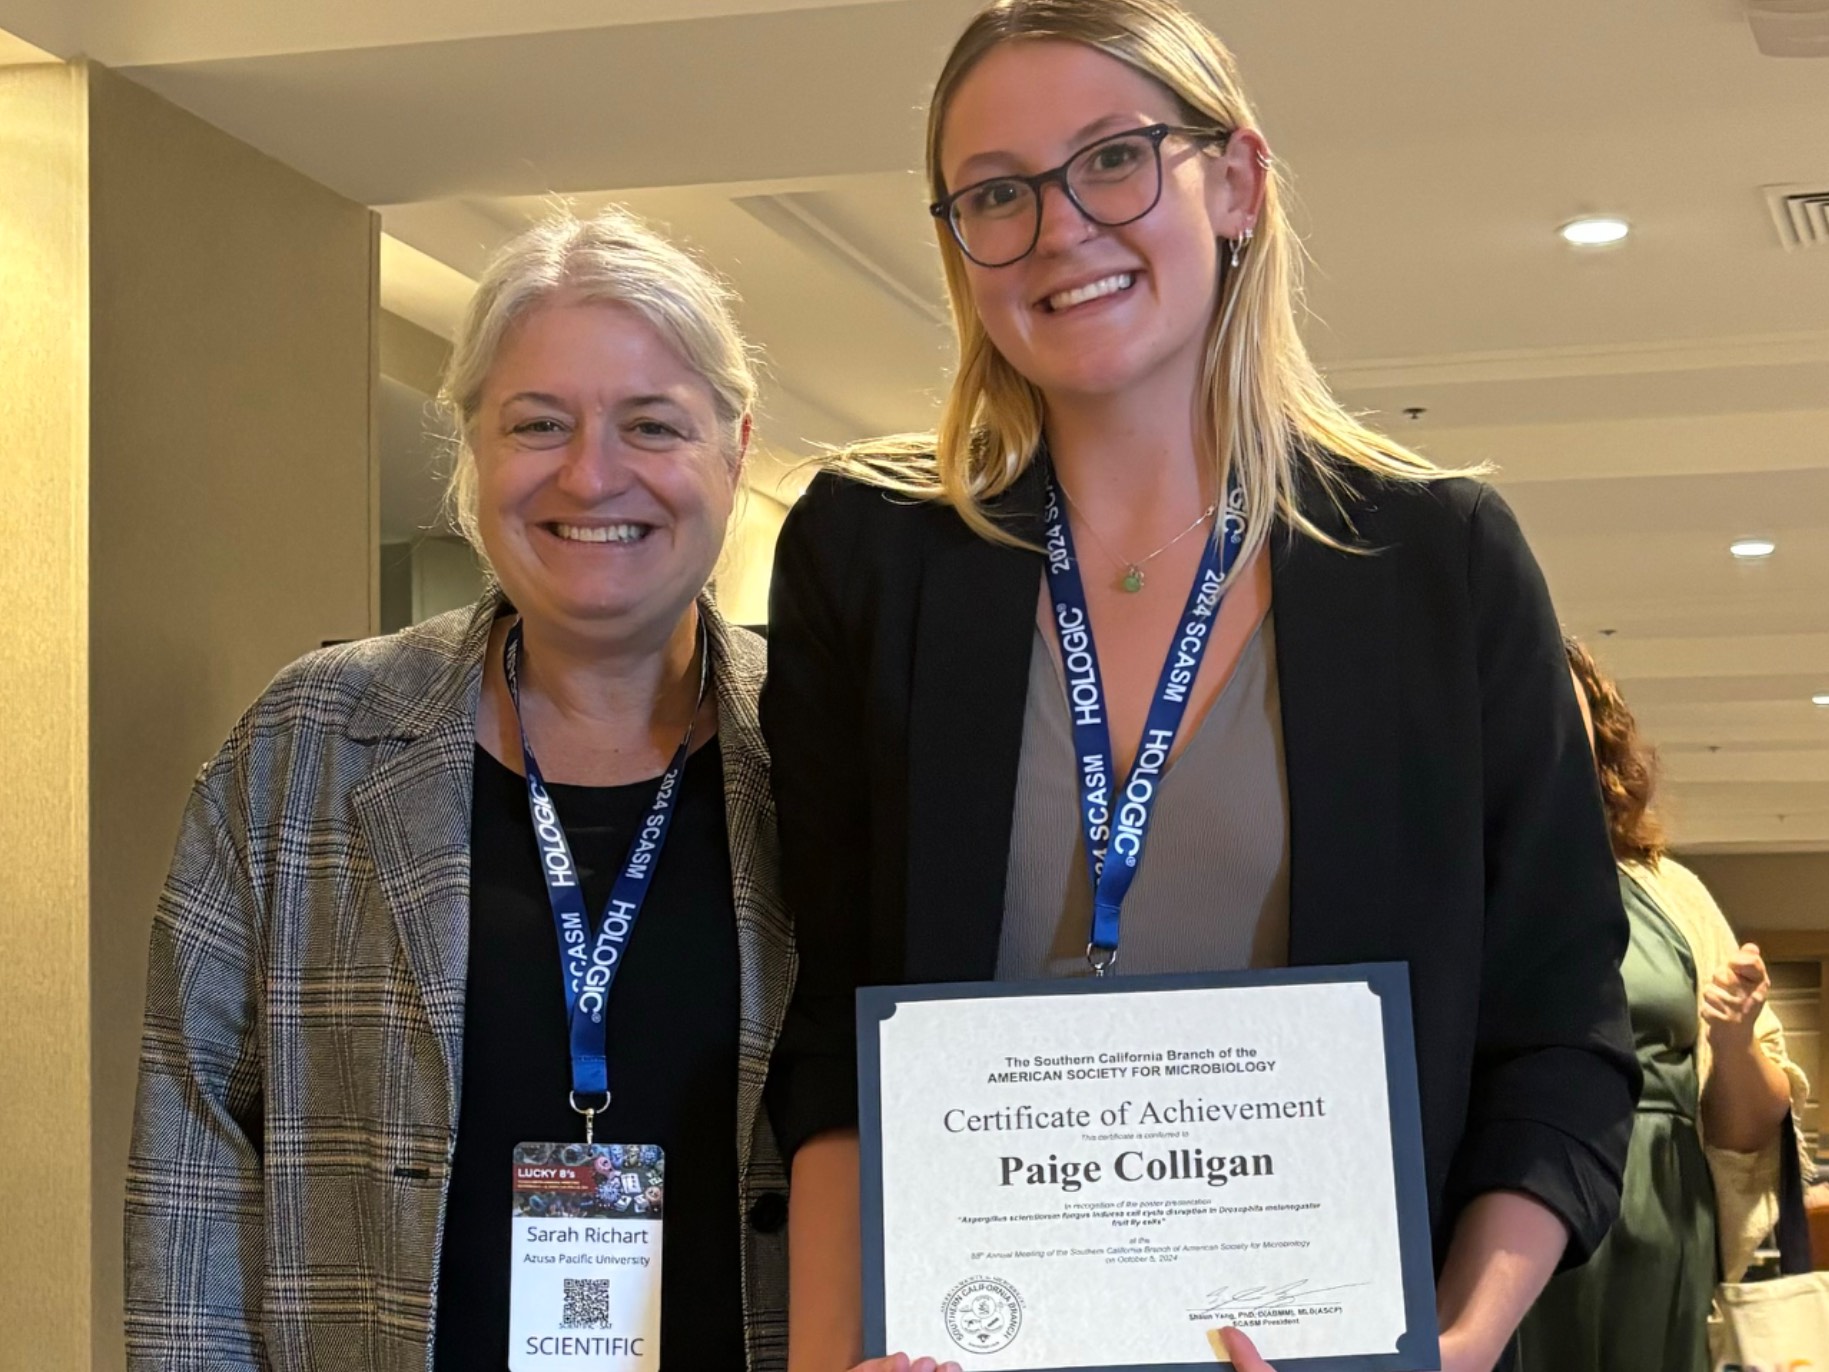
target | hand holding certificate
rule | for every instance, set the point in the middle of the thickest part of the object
(1105, 1174)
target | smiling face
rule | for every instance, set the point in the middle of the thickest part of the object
(1092, 310)
(604, 475)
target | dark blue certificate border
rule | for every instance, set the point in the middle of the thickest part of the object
(1417, 1348)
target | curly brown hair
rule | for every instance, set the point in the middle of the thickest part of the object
(1627, 764)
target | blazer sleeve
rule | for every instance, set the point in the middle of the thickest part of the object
(194, 1215)
(1555, 1075)
(812, 718)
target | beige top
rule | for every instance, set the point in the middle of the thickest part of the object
(1746, 1184)
(1212, 893)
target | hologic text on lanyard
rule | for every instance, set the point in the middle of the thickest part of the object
(1118, 830)
(590, 964)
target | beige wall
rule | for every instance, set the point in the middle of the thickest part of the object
(1767, 890)
(413, 356)
(232, 509)
(446, 576)
(44, 887)
(190, 505)
(749, 558)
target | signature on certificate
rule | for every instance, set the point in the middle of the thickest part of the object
(1284, 1296)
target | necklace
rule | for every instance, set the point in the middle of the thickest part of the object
(1132, 580)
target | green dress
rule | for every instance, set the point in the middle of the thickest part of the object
(1641, 1303)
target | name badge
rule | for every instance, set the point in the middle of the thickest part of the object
(585, 1286)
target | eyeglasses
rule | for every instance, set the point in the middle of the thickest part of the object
(1112, 182)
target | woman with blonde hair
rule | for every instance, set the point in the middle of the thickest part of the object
(1701, 1182)
(1380, 757)
(421, 1007)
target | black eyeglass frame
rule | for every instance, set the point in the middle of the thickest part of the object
(942, 209)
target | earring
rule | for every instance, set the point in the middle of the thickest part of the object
(1239, 245)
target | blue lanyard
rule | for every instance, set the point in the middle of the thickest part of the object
(1120, 824)
(590, 966)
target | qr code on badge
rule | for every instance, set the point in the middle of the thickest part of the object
(587, 1303)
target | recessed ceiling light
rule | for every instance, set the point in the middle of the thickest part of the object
(1595, 230)
(1751, 549)
(1822, 700)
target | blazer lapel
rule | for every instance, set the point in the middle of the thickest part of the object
(413, 811)
(1342, 713)
(765, 944)
(974, 631)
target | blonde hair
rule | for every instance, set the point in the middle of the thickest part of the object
(1265, 410)
(610, 258)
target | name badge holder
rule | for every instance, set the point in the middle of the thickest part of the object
(585, 1281)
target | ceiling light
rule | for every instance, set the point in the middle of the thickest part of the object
(1822, 700)
(1595, 230)
(1750, 549)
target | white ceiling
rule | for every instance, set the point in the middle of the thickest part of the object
(1643, 405)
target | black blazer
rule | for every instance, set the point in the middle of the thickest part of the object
(1443, 808)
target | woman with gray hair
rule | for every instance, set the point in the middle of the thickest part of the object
(471, 958)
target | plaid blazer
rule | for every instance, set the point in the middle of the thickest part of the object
(297, 1102)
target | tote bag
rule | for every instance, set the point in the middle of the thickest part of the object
(1781, 1325)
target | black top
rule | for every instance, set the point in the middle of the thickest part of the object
(673, 1054)
(1443, 808)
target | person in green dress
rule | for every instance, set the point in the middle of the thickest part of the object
(1702, 1172)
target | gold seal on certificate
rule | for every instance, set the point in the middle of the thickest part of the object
(1104, 1173)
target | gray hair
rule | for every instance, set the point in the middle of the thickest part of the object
(610, 258)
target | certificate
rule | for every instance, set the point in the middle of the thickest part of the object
(1103, 1173)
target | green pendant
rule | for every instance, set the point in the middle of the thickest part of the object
(1133, 580)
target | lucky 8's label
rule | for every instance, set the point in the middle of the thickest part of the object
(585, 1288)
(983, 1314)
